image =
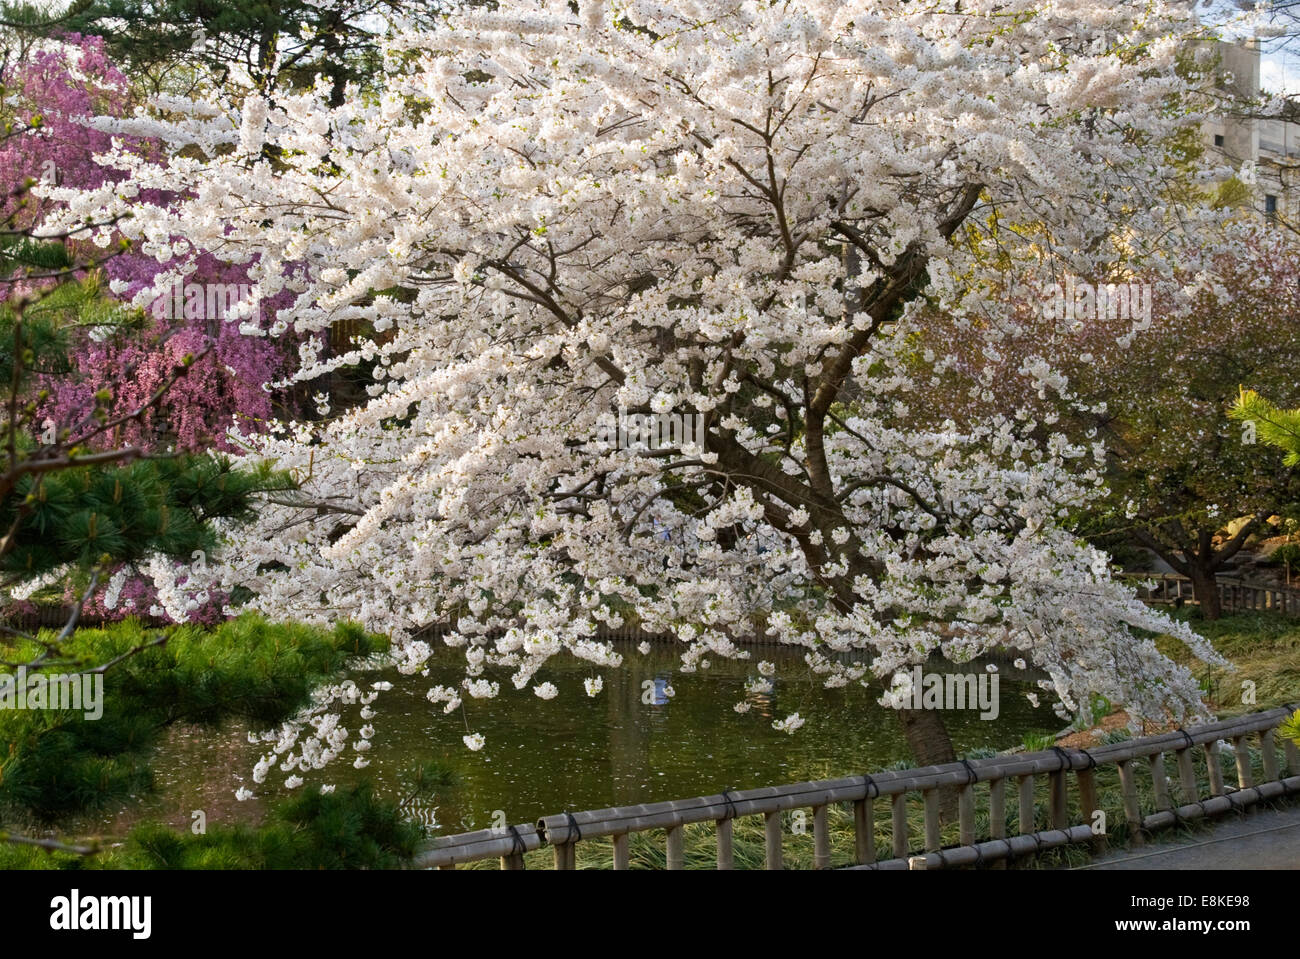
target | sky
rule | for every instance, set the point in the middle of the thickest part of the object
(1280, 72)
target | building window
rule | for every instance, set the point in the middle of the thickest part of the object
(1218, 139)
(1270, 205)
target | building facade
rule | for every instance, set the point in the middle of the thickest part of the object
(1272, 146)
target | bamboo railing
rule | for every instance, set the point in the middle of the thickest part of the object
(977, 782)
(1235, 595)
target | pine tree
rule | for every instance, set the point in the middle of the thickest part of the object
(269, 42)
(1271, 425)
(1281, 429)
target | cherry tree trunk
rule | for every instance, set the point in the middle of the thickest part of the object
(1206, 590)
(927, 738)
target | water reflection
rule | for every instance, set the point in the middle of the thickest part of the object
(653, 733)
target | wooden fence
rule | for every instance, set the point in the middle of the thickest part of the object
(1235, 595)
(977, 781)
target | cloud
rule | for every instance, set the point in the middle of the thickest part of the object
(1280, 72)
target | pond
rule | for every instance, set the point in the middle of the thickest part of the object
(578, 752)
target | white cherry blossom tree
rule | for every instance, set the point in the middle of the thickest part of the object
(559, 217)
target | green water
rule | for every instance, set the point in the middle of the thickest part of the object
(577, 752)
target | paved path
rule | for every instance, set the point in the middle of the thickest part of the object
(1267, 839)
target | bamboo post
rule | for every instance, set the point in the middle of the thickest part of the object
(1187, 776)
(772, 839)
(676, 848)
(565, 857)
(898, 812)
(1241, 754)
(931, 798)
(448, 865)
(1158, 781)
(1088, 805)
(998, 809)
(726, 856)
(966, 814)
(1026, 797)
(1215, 770)
(1268, 752)
(513, 862)
(864, 832)
(997, 815)
(1060, 800)
(1292, 754)
(620, 851)
(821, 839)
(1132, 811)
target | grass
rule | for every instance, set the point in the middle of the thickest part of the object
(1265, 648)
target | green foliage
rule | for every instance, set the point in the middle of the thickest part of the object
(87, 515)
(33, 17)
(348, 829)
(21, 252)
(344, 830)
(1290, 728)
(1099, 708)
(54, 763)
(334, 39)
(1232, 192)
(1037, 742)
(424, 778)
(80, 302)
(1287, 553)
(41, 344)
(1276, 427)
